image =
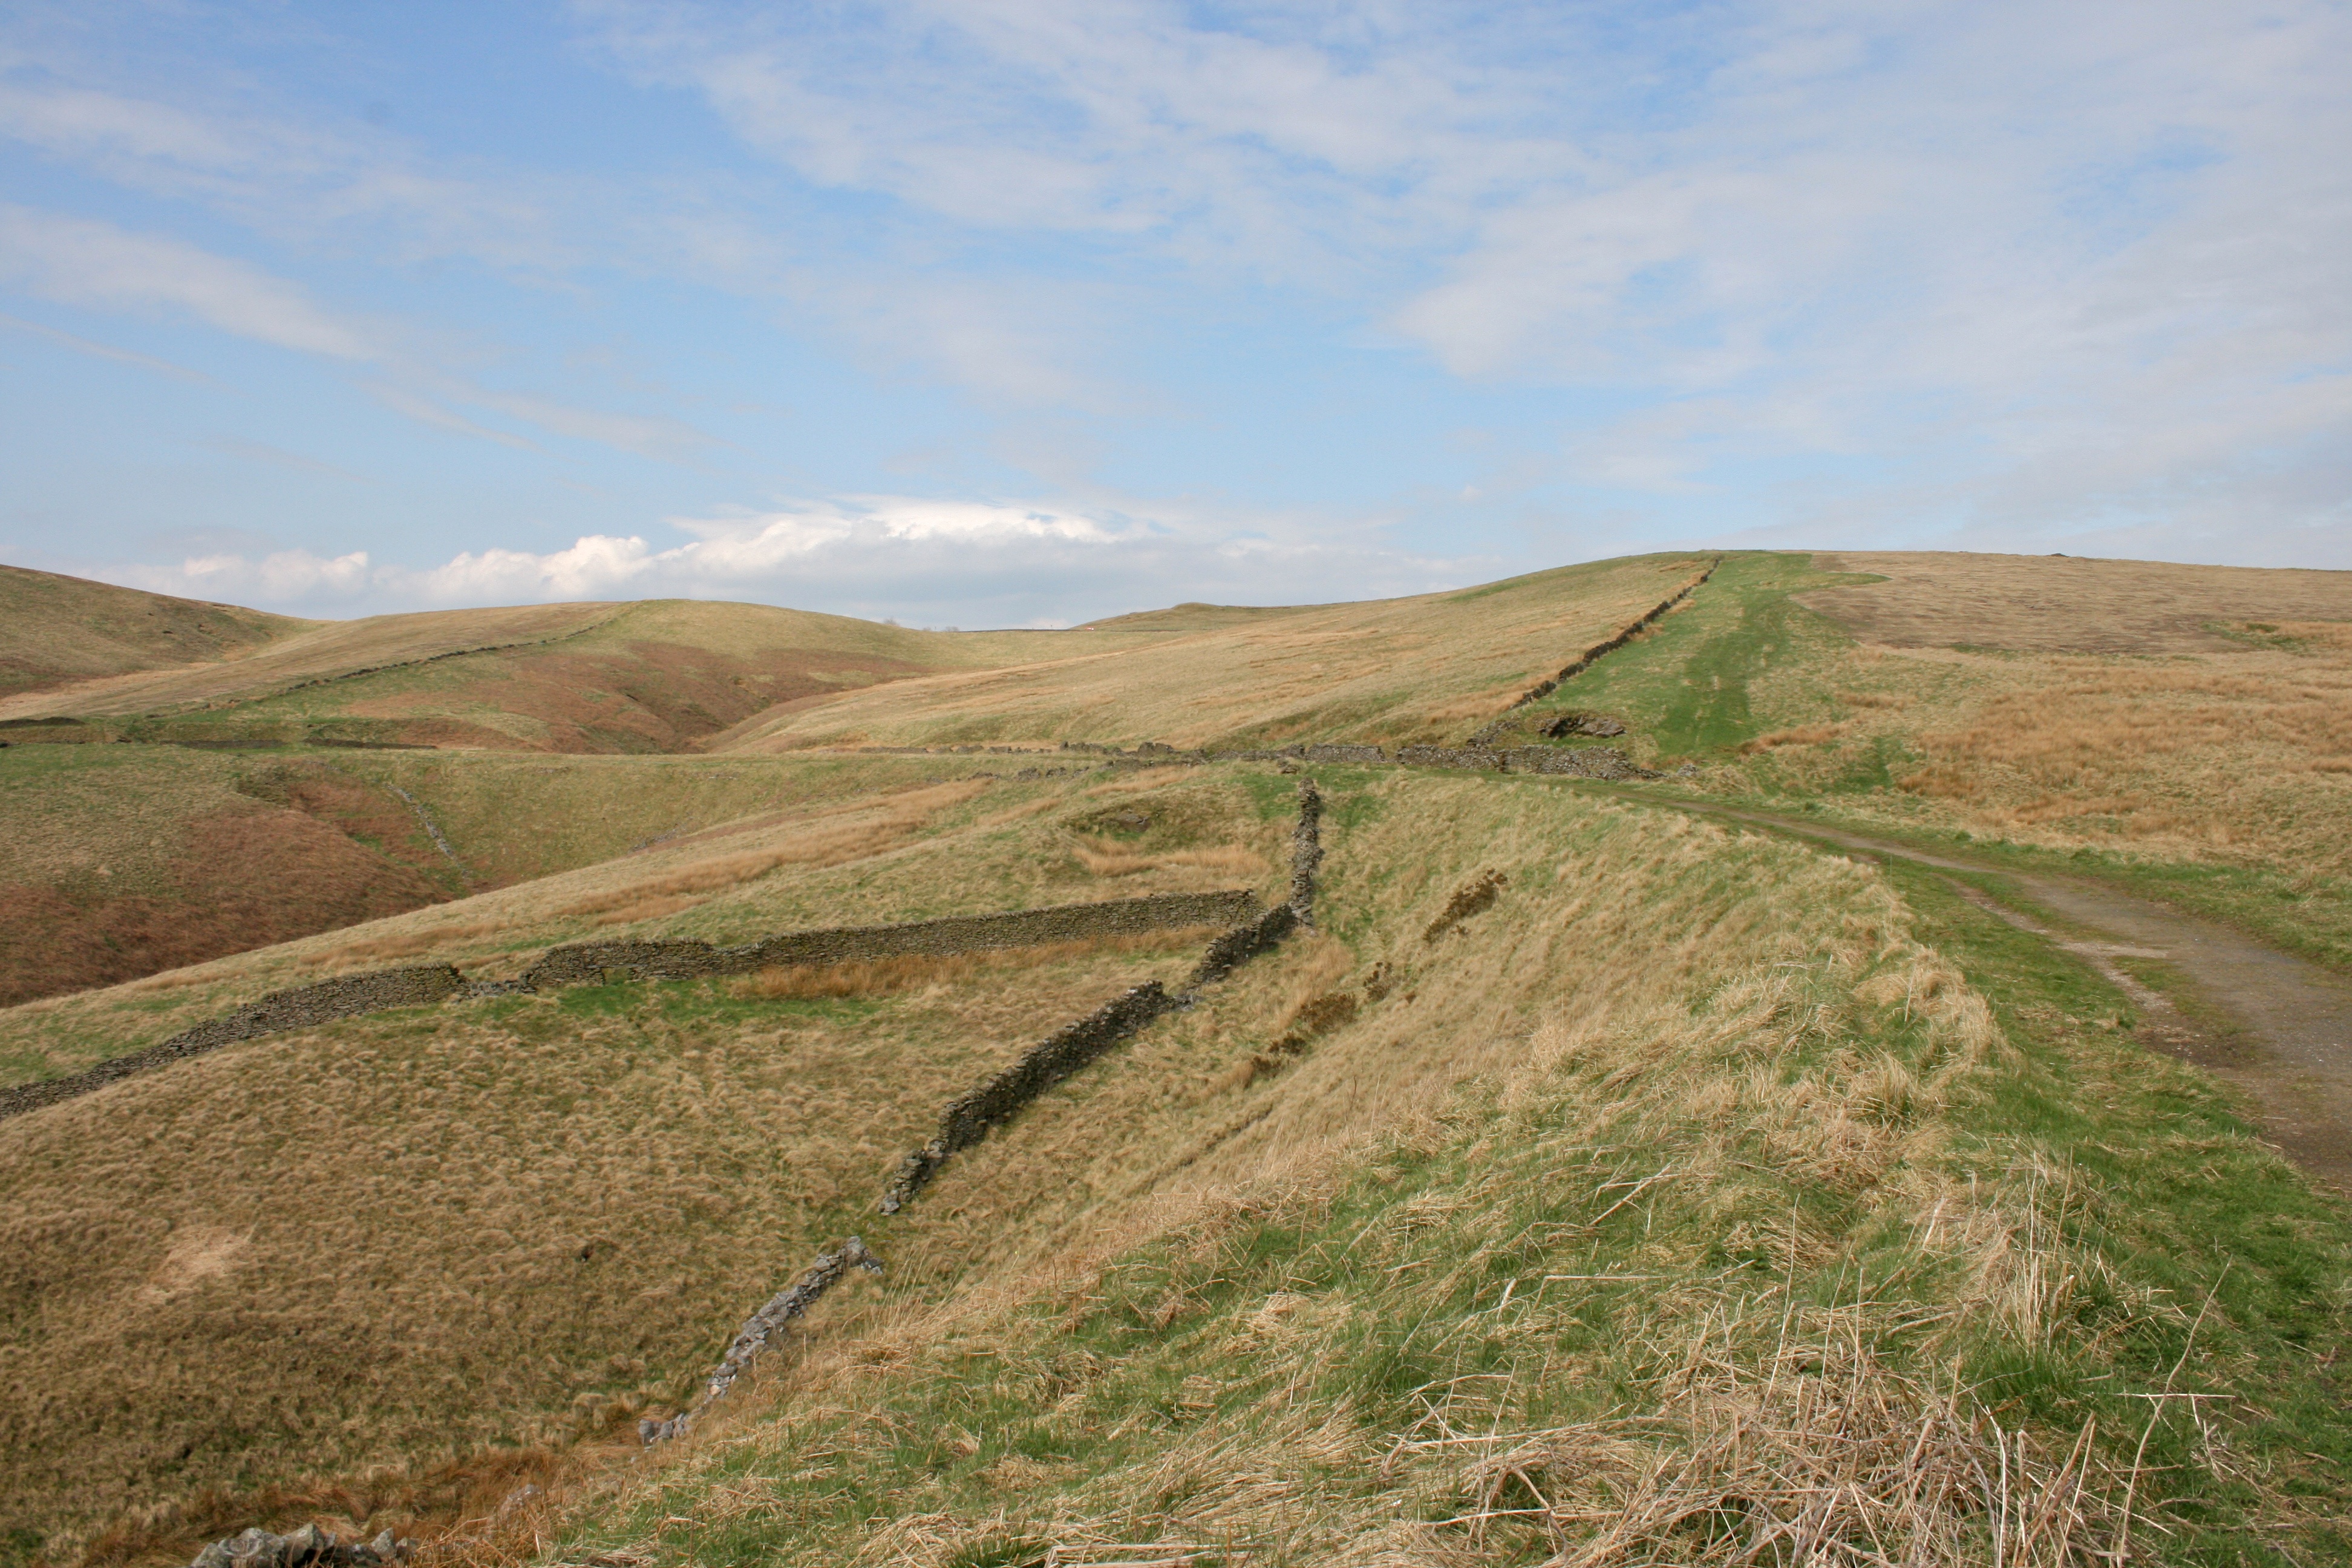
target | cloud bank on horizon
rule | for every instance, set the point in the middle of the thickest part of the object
(1019, 311)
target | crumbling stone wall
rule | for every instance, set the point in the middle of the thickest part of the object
(306, 1006)
(583, 962)
(968, 1117)
(763, 1327)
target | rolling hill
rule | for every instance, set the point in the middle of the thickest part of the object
(63, 631)
(1590, 1178)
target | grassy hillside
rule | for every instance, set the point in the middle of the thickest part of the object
(1593, 1184)
(118, 861)
(1425, 670)
(600, 1142)
(652, 676)
(2211, 762)
(1695, 1192)
(55, 631)
(362, 723)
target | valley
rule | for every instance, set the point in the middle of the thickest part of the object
(1747, 1155)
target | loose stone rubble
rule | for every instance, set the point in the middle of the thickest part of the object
(308, 1547)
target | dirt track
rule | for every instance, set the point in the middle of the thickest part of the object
(2290, 1054)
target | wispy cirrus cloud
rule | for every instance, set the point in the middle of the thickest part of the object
(84, 261)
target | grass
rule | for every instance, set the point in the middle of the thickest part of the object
(887, 855)
(1593, 1293)
(1398, 670)
(483, 1225)
(54, 631)
(2202, 769)
(1592, 1184)
(118, 861)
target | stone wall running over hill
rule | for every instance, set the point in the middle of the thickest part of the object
(585, 963)
(304, 1007)
(970, 1117)
(348, 997)
(1570, 762)
(1599, 651)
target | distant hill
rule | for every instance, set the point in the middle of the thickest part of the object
(1592, 1164)
(647, 676)
(57, 631)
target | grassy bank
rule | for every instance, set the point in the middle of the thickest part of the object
(1824, 1218)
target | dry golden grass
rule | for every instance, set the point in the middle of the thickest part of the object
(2236, 755)
(911, 972)
(1416, 669)
(518, 1221)
(1110, 859)
(368, 950)
(2059, 604)
(1651, 1011)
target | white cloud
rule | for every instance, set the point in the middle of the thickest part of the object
(929, 562)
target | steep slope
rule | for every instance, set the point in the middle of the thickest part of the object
(57, 631)
(1674, 1194)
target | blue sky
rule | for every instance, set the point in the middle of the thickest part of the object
(1024, 312)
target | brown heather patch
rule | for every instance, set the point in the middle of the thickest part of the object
(243, 879)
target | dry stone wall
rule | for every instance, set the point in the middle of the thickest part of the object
(584, 963)
(970, 1117)
(1599, 651)
(761, 1328)
(307, 1006)
(304, 1007)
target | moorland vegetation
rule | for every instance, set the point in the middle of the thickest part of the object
(1594, 1182)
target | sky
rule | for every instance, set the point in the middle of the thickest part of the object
(1022, 312)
